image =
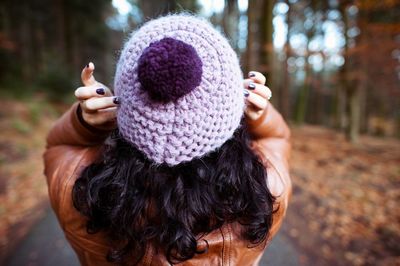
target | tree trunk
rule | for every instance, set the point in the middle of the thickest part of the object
(267, 47)
(340, 105)
(303, 96)
(357, 92)
(355, 114)
(342, 92)
(24, 45)
(153, 8)
(230, 22)
(59, 11)
(305, 90)
(284, 97)
(363, 82)
(250, 59)
(318, 99)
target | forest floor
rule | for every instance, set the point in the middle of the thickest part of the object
(344, 205)
(23, 190)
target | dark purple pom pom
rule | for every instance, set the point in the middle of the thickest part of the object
(169, 69)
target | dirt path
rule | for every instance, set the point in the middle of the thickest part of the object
(45, 245)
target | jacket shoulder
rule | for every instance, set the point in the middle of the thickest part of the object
(90, 248)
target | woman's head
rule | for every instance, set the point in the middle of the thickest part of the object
(180, 163)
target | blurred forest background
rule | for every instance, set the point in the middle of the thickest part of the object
(333, 67)
(334, 63)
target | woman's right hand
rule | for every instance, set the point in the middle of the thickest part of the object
(97, 102)
(257, 95)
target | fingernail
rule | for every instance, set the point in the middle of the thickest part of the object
(87, 65)
(252, 74)
(100, 91)
(246, 93)
(252, 86)
(116, 100)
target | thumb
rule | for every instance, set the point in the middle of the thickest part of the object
(87, 75)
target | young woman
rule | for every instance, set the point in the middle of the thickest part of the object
(185, 162)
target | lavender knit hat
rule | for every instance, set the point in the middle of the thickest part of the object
(180, 87)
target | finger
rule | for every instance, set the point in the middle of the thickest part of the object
(84, 93)
(256, 100)
(94, 104)
(257, 77)
(252, 112)
(102, 117)
(87, 75)
(259, 89)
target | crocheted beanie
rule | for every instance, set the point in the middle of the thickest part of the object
(180, 87)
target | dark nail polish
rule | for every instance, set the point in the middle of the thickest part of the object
(252, 86)
(251, 74)
(116, 100)
(100, 91)
(246, 93)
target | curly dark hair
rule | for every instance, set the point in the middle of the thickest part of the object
(135, 201)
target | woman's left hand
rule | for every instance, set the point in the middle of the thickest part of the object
(257, 95)
(98, 105)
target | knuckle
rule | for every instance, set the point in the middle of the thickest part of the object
(77, 92)
(90, 105)
(265, 102)
(81, 92)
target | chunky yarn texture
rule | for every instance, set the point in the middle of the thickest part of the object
(169, 69)
(200, 105)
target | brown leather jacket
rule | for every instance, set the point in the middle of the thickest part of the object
(71, 146)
